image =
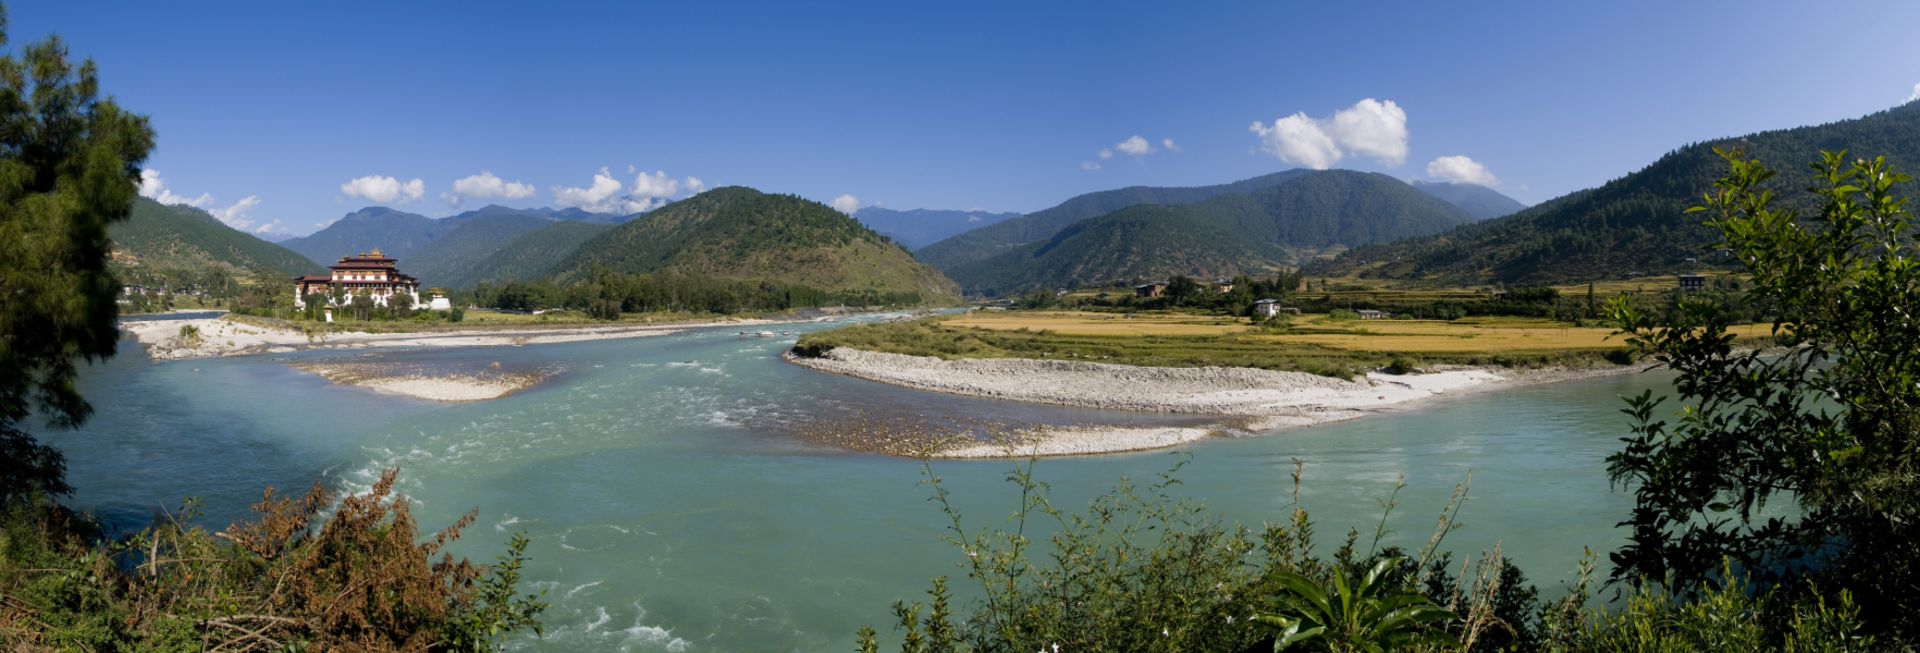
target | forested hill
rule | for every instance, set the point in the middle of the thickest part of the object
(986, 242)
(182, 237)
(524, 258)
(921, 227)
(1223, 236)
(1634, 223)
(741, 233)
(1481, 201)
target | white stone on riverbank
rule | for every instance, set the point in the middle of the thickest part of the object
(1081, 441)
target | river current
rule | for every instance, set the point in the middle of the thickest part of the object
(672, 507)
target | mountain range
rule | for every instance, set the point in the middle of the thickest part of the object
(1298, 214)
(918, 228)
(987, 241)
(398, 233)
(1634, 223)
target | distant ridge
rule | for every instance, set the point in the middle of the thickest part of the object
(918, 228)
(1634, 223)
(442, 260)
(1479, 200)
(986, 242)
(395, 233)
(398, 233)
(1252, 232)
(161, 236)
(526, 258)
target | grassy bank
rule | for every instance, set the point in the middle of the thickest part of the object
(1318, 344)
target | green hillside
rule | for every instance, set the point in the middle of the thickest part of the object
(183, 237)
(740, 233)
(988, 241)
(1223, 236)
(436, 262)
(525, 258)
(1481, 201)
(1634, 223)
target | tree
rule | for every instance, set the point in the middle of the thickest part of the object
(1829, 421)
(1181, 289)
(401, 304)
(69, 167)
(363, 306)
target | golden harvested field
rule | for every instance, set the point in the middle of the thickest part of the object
(1484, 335)
(1075, 323)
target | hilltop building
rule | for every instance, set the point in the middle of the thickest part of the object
(371, 274)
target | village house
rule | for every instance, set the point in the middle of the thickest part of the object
(1153, 289)
(1221, 285)
(1373, 315)
(1267, 308)
(370, 275)
(1693, 283)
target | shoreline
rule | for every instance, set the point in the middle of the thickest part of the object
(1249, 400)
(220, 338)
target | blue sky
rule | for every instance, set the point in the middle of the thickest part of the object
(270, 108)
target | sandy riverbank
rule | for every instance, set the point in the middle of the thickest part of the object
(440, 385)
(1256, 400)
(220, 338)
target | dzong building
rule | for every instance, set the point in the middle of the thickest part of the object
(372, 274)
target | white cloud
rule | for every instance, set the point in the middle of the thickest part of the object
(1916, 94)
(1368, 128)
(655, 185)
(601, 197)
(485, 185)
(1168, 143)
(236, 216)
(1136, 146)
(973, 218)
(1375, 129)
(270, 227)
(1299, 139)
(1106, 154)
(1089, 165)
(152, 187)
(696, 187)
(385, 189)
(846, 204)
(1461, 170)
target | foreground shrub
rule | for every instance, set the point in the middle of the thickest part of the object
(1144, 570)
(360, 579)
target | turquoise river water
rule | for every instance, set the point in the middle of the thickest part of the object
(671, 506)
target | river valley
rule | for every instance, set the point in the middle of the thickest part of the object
(674, 503)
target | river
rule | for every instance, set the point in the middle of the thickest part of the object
(671, 507)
